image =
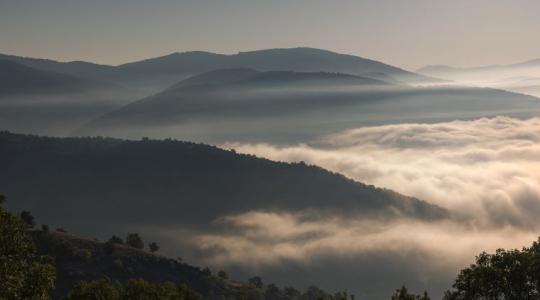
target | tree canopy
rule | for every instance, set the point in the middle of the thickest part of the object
(23, 274)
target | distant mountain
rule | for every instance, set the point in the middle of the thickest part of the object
(37, 101)
(522, 77)
(291, 107)
(87, 183)
(157, 73)
(253, 78)
(75, 68)
(443, 70)
(290, 59)
(19, 79)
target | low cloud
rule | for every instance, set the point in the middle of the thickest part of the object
(487, 170)
(262, 238)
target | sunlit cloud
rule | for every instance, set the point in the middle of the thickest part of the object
(487, 169)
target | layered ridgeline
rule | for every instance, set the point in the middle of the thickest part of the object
(175, 193)
(522, 77)
(19, 79)
(34, 100)
(160, 72)
(89, 183)
(289, 107)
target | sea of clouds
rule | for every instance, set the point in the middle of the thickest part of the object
(486, 172)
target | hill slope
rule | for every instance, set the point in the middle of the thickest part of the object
(85, 182)
(291, 107)
(157, 73)
(300, 59)
(19, 79)
(522, 77)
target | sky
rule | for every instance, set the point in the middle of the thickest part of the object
(406, 33)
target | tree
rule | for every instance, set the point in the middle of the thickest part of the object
(273, 292)
(28, 219)
(134, 240)
(506, 274)
(256, 281)
(116, 240)
(153, 247)
(291, 292)
(403, 294)
(133, 289)
(223, 275)
(91, 290)
(23, 274)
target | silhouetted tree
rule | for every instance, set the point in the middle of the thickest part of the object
(506, 274)
(28, 219)
(91, 290)
(153, 247)
(256, 281)
(23, 274)
(116, 240)
(44, 227)
(133, 289)
(403, 294)
(134, 240)
(223, 275)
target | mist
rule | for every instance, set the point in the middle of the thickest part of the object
(520, 78)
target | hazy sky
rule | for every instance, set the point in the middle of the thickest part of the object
(407, 33)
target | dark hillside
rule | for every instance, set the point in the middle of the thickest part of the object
(96, 181)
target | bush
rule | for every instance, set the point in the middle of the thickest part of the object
(134, 240)
(23, 274)
(116, 240)
(223, 275)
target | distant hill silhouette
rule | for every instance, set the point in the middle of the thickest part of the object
(87, 183)
(521, 77)
(158, 73)
(19, 79)
(442, 70)
(290, 59)
(286, 106)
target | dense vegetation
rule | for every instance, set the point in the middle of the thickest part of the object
(23, 274)
(505, 274)
(31, 260)
(110, 181)
(118, 270)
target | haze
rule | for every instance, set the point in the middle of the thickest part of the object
(408, 34)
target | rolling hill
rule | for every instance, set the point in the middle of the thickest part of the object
(290, 107)
(521, 77)
(155, 74)
(87, 183)
(19, 79)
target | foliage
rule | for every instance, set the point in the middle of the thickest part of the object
(116, 240)
(133, 289)
(154, 247)
(403, 294)
(94, 290)
(223, 275)
(23, 274)
(506, 274)
(134, 240)
(256, 281)
(28, 219)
